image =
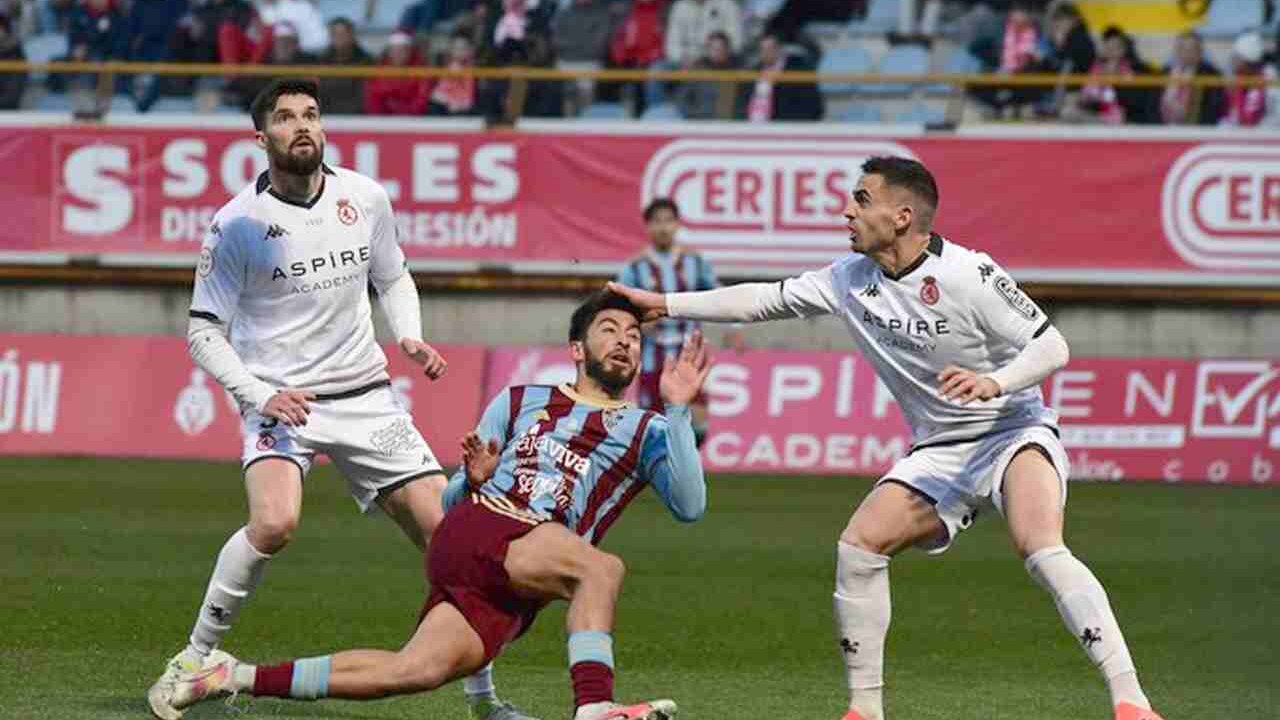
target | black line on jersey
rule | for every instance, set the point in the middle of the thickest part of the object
(934, 248)
(203, 315)
(1044, 327)
(355, 392)
(278, 456)
(264, 185)
(386, 490)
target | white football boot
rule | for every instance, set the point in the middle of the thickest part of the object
(160, 696)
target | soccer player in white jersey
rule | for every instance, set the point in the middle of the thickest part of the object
(963, 351)
(280, 315)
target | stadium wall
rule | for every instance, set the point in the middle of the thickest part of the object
(492, 319)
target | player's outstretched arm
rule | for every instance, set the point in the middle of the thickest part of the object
(670, 455)
(810, 294)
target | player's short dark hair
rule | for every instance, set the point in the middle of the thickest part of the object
(910, 175)
(662, 203)
(344, 21)
(265, 101)
(596, 303)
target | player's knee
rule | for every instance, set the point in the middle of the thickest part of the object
(868, 540)
(608, 569)
(272, 531)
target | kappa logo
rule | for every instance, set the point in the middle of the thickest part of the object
(985, 270)
(871, 290)
(276, 231)
(1018, 300)
(1220, 206)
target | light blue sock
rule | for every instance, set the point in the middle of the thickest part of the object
(591, 646)
(310, 678)
(479, 685)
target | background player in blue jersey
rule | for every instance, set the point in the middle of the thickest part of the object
(667, 267)
(547, 471)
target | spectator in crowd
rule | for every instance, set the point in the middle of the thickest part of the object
(767, 100)
(343, 95)
(286, 49)
(398, 95)
(1069, 49)
(692, 21)
(1180, 102)
(98, 32)
(12, 84)
(580, 35)
(231, 32)
(688, 25)
(479, 23)
(1246, 105)
(541, 98)
(706, 99)
(313, 36)
(152, 27)
(21, 16)
(1102, 102)
(421, 18)
(636, 43)
(1017, 51)
(789, 21)
(456, 95)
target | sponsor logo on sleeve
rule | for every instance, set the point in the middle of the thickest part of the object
(1007, 289)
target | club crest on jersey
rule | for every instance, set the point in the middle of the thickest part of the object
(347, 214)
(266, 441)
(929, 292)
(611, 418)
(1017, 299)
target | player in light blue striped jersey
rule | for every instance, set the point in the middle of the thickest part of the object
(668, 267)
(546, 473)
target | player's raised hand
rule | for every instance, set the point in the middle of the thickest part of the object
(432, 362)
(682, 377)
(652, 305)
(479, 458)
(965, 386)
(289, 406)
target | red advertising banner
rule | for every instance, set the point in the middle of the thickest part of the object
(138, 396)
(1120, 207)
(1122, 419)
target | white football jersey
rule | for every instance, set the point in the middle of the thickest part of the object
(291, 281)
(953, 306)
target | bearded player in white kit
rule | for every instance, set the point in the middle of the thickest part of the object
(280, 315)
(963, 351)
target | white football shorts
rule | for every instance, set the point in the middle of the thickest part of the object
(962, 478)
(367, 434)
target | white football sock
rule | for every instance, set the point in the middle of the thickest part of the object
(235, 575)
(479, 685)
(1084, 608)
(862, 622)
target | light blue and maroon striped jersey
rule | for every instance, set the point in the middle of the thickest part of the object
(579, 463)
(675, 271)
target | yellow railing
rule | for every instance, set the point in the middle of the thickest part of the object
(610, 75)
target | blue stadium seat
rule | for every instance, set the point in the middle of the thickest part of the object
(960, 62)
(922, 113)
(860, 112)
(900, 60)
(331, 9)
(604, 111)
(173, 105)
(662, 111)
(53, 102)
(882, 16)
(1229, 18)
(847, 59)
(387, 14)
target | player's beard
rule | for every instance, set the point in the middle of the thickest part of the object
(614, 382)
(285, 161)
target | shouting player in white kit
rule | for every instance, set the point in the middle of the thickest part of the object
(281, 317)
(963, 351)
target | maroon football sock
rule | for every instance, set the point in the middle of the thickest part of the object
(273, 680)
(592, 683)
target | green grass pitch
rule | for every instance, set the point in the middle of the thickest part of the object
(102, 563)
